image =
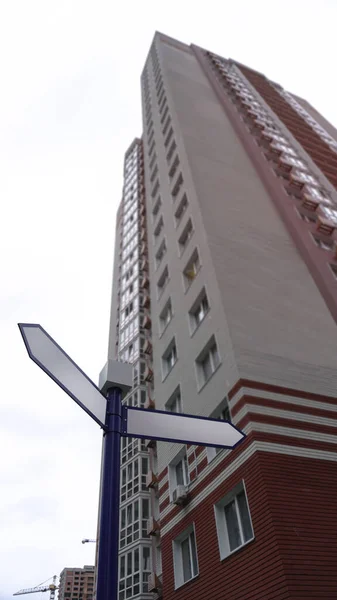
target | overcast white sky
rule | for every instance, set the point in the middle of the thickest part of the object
(69, 108)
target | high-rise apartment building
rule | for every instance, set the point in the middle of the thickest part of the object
(225, 301)
(77, 584)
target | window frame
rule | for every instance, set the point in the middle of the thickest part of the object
(199, 362)
(178, 557)
(160, 253)
(221, 523)
(172, 354)
(162, 282)
(163, 323)
(201, 298)
(192, 265)
(185, 236)
(172, 400)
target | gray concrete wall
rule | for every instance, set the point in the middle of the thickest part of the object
(267, 315)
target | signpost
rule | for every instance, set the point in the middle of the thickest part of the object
(118, 420)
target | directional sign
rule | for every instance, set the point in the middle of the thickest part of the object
(186, 429)
(50, 357)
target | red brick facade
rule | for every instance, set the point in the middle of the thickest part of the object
(289, 468)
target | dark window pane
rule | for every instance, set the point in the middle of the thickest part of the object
(234, 537)
(244, 515)
(186, 560)
(194, 554)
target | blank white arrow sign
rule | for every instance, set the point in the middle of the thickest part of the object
(54, 361)
(186, 429)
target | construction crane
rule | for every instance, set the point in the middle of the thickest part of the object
(52, 587)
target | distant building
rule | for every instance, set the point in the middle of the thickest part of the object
(77, 584)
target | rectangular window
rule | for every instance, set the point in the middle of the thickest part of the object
(199, 310)
(325, 245)
(158, 229)
(233, 521)
(183, 204)
(174, 167)
(192, 269)
(153, 160)
(165, 316)
(165, 128)
(154, 174)
(169, 358)
(207, 362)
(168, 137)
(185, 236)
(174, 404)
(164, 115)
(222, 413)
(160, 253)
(156, 207)
(171, 150)
(163, 104)
(155, 189)
(162, 281)
(185, 557)
(151, 148)
(178, 472)
(177, 186)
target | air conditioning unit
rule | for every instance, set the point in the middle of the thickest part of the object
(180, 494)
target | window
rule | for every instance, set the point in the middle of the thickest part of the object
(165, 128)
(155, 189)
(174, 167)
(133, 478)
(191, 270)
(169, 358)
(321, 244)
(154, 174)
(162, 281)
(185, 236)
(158, 228)
(181, 209)
(164, 115)
(178, 471)
(151, 149)
(156, 207)
(171, 150)
(133, 521)
(160, 253)
(233, 521)
(207, 362)
(185, 557)
(129, 574)
(330, 214)
(174, 404)
(222, 413)
(165, 316)
(168, 138)
(177, 186)
(152, 163)
(199, 310)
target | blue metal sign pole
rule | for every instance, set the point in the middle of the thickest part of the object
(107, 567)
